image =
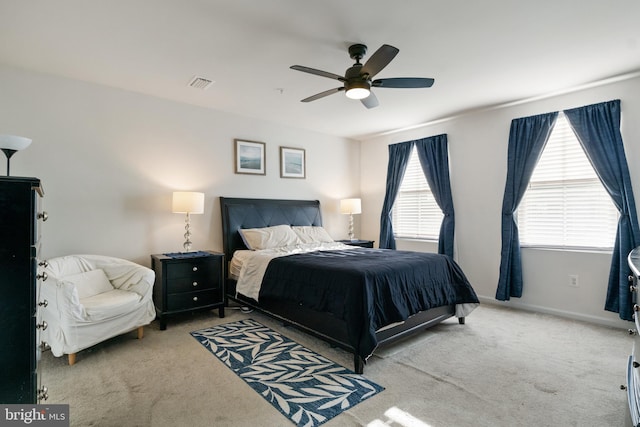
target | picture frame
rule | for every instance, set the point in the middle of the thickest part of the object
(250, 157)
(292, 163)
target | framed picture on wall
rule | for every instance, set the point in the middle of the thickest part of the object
(292, 162)
(249, 157)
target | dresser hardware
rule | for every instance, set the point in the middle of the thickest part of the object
(633, 288)
(636, 364)
(631, 331)
(43, 263)
(43, 216)
(42, 276)
(630, 278)
(43, 393)
(636, 307)
(195, 283)
(195, 268)
(623, 387)
(43, 303)
(42, 325)
(195, 298)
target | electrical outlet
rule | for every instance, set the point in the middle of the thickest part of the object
(573, 280)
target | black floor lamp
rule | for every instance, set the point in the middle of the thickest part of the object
(10, 144)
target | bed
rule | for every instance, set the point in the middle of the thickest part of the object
(354, 307)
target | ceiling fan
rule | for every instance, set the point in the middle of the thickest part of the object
(357, 79)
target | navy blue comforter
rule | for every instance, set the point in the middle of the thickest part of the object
(367, 288)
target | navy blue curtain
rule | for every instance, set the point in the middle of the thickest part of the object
(398, 158)
(527, 138)
(597, 127)
(434, 159)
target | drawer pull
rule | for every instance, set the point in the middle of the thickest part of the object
(42, 325)
(633, 288)
(195, 298)
(42, 276)
(636, 307)
(636, 364)
(195, 268)
(44, 263)
(195, 283)
(43, 216)
(43, 303)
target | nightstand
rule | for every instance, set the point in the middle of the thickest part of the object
(361, 243)
(187, 281)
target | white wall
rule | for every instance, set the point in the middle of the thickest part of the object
(478, 159)
(110, 159)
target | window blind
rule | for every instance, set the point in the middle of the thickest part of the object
(565, 205)
(415, 214)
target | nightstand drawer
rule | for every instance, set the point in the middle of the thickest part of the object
(190, 300)
(195, 269)
(198, 282)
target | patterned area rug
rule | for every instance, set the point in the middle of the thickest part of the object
(304, 386)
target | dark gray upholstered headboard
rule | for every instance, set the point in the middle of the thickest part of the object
(254, 213)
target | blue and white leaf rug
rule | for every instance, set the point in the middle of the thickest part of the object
(304, 386)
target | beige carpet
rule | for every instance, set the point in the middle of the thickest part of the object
(503, 368)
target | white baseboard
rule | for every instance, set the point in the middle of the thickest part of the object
(614, 323)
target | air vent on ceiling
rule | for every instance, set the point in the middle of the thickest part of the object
(200, 83)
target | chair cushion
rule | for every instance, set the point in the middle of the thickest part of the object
(90, 283)
(110, 304)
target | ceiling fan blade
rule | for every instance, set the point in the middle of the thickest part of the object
(403, 82)
(323, 94)
(370, 101)
(317, 72)
(379, 60)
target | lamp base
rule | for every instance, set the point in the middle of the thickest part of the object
(352, 236)
(8, 152)
(187, 235)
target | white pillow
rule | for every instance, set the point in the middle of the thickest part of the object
(312, 234)
(90, 283)
(269, 237)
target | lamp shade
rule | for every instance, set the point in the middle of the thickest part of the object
(188, 202)
(350, 206)
(13, 142)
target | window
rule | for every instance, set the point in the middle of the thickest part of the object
(415, 214)
(565, 205)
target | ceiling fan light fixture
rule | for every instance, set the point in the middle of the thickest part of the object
(358, 93)
(358, 90)
(359, 78)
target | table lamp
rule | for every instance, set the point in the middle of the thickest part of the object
(187, 202)
(351, 207)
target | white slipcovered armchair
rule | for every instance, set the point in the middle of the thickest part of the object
(92, 298)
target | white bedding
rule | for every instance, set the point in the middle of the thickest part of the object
(248, 267)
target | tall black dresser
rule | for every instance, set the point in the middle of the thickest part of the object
(19, 285)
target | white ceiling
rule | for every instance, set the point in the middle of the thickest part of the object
(481, 53)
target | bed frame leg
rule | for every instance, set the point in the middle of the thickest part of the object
(461, 320)
(358, 364)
